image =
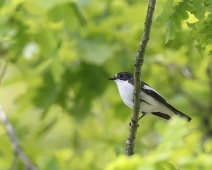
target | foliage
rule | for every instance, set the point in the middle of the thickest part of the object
(66, 113)
(173, 15)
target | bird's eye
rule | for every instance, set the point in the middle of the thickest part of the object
(121, 75)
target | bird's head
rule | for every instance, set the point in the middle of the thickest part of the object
(124, 76)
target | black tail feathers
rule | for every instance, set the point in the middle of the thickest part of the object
(179, 113)
(162, 115)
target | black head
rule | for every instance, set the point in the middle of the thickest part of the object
(122, 76)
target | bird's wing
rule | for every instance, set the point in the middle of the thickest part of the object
(150, 91)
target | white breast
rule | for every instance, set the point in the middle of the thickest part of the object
(126, 92)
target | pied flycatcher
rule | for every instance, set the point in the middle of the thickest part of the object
(151, 101)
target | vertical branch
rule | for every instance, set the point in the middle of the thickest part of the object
(137, 74)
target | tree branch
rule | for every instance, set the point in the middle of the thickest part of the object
(2, 71)
(137, 74)
(14, 142)
(18, 152)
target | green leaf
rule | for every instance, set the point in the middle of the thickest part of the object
(70, 14)
(165, 166)
(197, 8)
(48, 4)
(172, 17)
(93, 51)
(57, 69)
(51, 164)
(170, 31)
(166, 13)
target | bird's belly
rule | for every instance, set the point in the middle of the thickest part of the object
(149, 104)
(147, 107)
(127, 98)
(144, 107)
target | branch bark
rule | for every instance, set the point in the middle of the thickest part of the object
(137, 74)
(14, 142)
(17, 149)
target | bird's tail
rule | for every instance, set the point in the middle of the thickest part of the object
(179, 113)
(162, 115)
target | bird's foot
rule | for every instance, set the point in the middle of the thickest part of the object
(131, 125)
(143, 114)
(140, 100)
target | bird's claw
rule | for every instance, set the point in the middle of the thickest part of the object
(131, 125)
(140, 100)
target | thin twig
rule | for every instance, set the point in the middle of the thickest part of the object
(2, 71)
(14, 142)
(137, 74)
(18, 152)
(183, 69)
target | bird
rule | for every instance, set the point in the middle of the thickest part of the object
(150, 100)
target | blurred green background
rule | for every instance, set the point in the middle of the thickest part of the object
(68, 116)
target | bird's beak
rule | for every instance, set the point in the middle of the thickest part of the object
(113, 78)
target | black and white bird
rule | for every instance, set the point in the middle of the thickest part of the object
(151, 101)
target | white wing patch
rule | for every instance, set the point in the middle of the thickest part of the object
(149, 88)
